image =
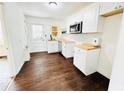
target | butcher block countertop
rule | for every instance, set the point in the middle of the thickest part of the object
(66, 41)
(87, 46)
(51, 40)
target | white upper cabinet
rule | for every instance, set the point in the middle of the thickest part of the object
(106, 7)
(109, 8)
(90, 19)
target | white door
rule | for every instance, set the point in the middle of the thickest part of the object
(37, 38)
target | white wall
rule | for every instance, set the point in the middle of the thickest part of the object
(2, 32)
(14, 23)
(47, 24)
(117, 77)
(82, 38)
(111, 28)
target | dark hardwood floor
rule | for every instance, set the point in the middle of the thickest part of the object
(53, 72)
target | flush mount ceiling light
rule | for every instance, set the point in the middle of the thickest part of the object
(54, 5)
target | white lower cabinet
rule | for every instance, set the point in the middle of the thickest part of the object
(68, 49)
(52, 46)
(86, 60)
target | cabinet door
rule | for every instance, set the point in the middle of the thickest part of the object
(90, 20)
(79, 59)
(55, 46)
(52, 46)
(59, 46)
(107, 7)
(64, 49)
(70, 49)
(83, 60)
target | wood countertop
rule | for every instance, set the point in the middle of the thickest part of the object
(66, 41)
(87, 46)
(51, 40)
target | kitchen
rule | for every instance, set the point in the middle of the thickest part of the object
(88, 35)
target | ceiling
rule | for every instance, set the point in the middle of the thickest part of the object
(42, 9)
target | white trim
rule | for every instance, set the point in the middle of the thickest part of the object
(10, 83)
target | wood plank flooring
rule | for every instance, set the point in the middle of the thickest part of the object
(52, 72)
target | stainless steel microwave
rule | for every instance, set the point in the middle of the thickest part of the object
(76, 28)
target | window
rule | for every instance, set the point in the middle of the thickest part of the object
(37, 31)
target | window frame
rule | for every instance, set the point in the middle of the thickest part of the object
(32, 31)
